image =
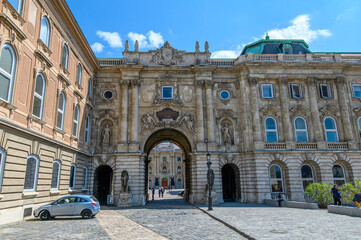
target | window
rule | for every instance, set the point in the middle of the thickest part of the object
(150, 170)
(90, 86)
(87, 126)
(276, 179)
(31, 174)
(17, 4)
(85, 177)
(65, 56)
(108, 94)
(2, 165)
(179, 181)
(338, 174)
(164, 159)
(296, 90)
(271, 130)
(356, 91)
(330, 130)
(167, 92)
(45, 31)
(267, 90)
(301, 130)
(39, 96)
(287, 50)
(359, 126)
(7, 72)
(55, 176)
(325, 90)
(225, 95)
(72, 176)
(79, 73)
(307, 175)
(179, 159)
(76, 121)
(179, 169)
(164, 169)
(61, 111)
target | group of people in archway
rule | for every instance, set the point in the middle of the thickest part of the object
(161, 191)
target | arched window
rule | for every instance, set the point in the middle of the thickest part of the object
(301, 130)
(359, 126)
(76, 121)
(150, 170)
(17, 4)
(55, 176)
(39, 95)
(87, 127)
(330, 130)
(307, 175)
(179, 181)
(164, 169)
(7, 72)
(2, 165)
(276, 179)
(31, 174)
(79, 73)
(85, 177)
(90, 86)
(61, 111)
(271, 130)
(72, 176)
(179, 169)
(338, 173)
(65, 56)
(45, 31)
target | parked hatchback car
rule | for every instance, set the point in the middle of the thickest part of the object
(74, 205)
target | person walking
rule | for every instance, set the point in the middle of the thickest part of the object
(281, 198)
(357, 199)
(163, 189)
(159, 191)
(153, 192)
(336, 195)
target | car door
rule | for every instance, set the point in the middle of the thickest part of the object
(79, 205)
(63, 207)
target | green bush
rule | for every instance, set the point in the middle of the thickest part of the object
(320, 193)
(348, 190)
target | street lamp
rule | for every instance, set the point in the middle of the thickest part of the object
(210, 178)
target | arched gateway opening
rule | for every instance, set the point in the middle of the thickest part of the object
(171, 136)
(103, 183)
(230, 183)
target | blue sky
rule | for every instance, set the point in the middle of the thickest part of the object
(326, 25)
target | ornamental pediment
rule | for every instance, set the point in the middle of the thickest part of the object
(167, 55)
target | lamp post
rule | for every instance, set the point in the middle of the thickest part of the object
(210, 178)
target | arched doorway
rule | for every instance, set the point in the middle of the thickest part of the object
(103, 183)
(230, 183)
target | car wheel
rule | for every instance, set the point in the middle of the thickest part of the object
(44, 215)
(86, 214)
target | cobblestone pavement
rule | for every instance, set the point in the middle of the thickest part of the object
(264, 222)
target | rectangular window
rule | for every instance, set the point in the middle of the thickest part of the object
(72, 177)
(296, 90)
(356, 90)
(325, 90)
(164, 159)
(2, 163)
(167, 92)
(267, 90)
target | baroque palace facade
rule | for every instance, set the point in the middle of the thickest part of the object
(274, 119)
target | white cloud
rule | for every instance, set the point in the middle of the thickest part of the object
(225, 54)
(112, 38)
(150, 40)
(97, 47)
(300, 29)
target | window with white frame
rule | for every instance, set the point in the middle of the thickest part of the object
(338, 173)
(276, 179)
(90, 86)
(72, 176)
(17, 4)
(39, 95)
(61, 111)
(167, 92)
(85, 177)
(267, 90)
(87, 128)
(31, 173)
(330, 130)
(79, 73)
(7, 72)
(301, 130)
(325, 90)
(45, 31)
(2, 165)
(356, 90)
(179, 169)
(296, 90)
(55, 176)
(65, 56)
(271, 130)
(76, 121)
(307, 175)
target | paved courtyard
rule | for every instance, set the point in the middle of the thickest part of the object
(171, 218)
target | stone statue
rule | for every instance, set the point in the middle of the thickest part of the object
(148, 122)
(106, 134)
(226, 135)
(136, 46)
(197, 46)
(206, 47)
(210, 177)
(188, 121)
(124, 179)
(126, 46)
(172, 183)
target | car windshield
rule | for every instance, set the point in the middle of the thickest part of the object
(94, 199)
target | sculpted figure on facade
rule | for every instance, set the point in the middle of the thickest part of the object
(197, 46)
(125, 180)
(148, 122)
(226, 135)
(136, 46)
(126, 46)
(187, 119)
(106, 133)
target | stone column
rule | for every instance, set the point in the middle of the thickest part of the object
(345, 113)
(244, 108)
(286, 123)
(199, 111)
(317, 126)
(210, 113)
(124, 113)
(134, 129)
(257, 137)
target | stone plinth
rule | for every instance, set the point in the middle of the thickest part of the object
(124, 199)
